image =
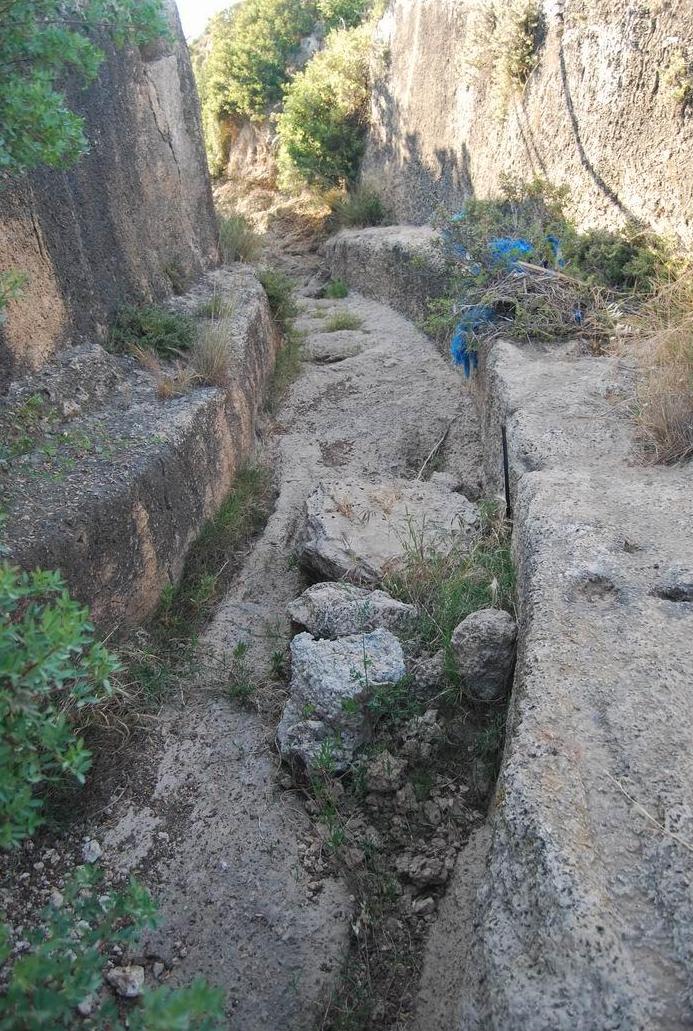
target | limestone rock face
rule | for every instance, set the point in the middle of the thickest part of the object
(339, 609)
(484, 646)
(361, 532)
(326, 718)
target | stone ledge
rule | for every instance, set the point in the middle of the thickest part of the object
(120, 523)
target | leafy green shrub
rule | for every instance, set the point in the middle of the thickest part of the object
(66, 962)
(280, 294)
(322, 126)
(41, 40)
(238, 240)
(50, 667)
(166, 333)
(631, 259)
(361, 207)
(336, 289)
(243, 64)
(11, 285)
(347, 13)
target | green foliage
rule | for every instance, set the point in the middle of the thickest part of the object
(11, 285)
(243, 64)
(504, 45)
(321, 128)
(447, 588)
(242, 683)
(166, 333)
(677, 77)
(287, 366)
(336, 289)
(631, 259)
(346, 13)
(280, 294)
(50, 666)
(237, 239)
(41, 42)
(213, 559)
(362, 206)
(343, 320)
(66, 962)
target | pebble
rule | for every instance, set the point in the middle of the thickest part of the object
(91, 851)
(127, 981)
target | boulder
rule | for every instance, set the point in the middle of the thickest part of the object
(326, 717)
(339, 609)
(484, 646)
(361, 532)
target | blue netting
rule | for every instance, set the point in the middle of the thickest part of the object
(508, 250)
(461, 352)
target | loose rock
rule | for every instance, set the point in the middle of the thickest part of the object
(326, 718)
(484, 646)
(91, 851)
(360, 532)
(339, 609)
(385, 773)
(127, 981)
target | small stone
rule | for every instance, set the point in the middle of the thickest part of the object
(85, 1008)
(158, 969)
(56, 898)
(424, 905)
(385, 773)
(484, 646)
(91, 851)
(128, 982)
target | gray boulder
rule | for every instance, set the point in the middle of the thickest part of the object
(484, 646)
(361, 531)
(339, 609)
(326, 717)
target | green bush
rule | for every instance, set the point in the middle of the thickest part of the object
(65, 965)
(346, 13)
(322, 126)
(280, 294)
(238, 240)
(361, 207)
(50, 668)
(631, 259)
(41, 41)
(504, 45)
(336, 289)
(166, 333)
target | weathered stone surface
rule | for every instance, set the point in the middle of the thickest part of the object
(583, 916)
(385, 773)
(360, 531)
(135, 208)
(326, 716)
(591, 115)
(118, 518)
(339, 609)
(127, 981)
(399, 265)
(484, 646)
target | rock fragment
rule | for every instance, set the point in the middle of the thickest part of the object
(91, 851)
(339, 609)
(484, 646)
(385, 773)
(326, 717)
(128, 981)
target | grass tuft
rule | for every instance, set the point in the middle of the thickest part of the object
(280, 294)
(166, 333)
(238, 241)
(664, 350)
(336, 290)
(342, 320)
(362, 206)
(210, 356)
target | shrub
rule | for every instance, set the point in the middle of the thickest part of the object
(243, 65)
(65, 965)
(336, 289)
(321, 129)
(41, 41)
(237, 239)
(166, 333)
(347, 13)
(50, 669)
(631, 259)
(280, 294)
(504, 43)
(664, 349)
(361, 207)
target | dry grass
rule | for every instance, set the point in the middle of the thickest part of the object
(170, 381)
(210, 356)
(664, 349)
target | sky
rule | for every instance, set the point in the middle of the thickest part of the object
(195, 14)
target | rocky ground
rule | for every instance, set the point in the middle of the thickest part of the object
(306, 887)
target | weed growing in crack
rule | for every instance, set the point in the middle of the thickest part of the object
(242, 683)
(168, 334)
(336, 290)
(238, 241)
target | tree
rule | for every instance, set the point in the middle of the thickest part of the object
(43, 41)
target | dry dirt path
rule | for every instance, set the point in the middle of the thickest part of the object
(204, 820)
